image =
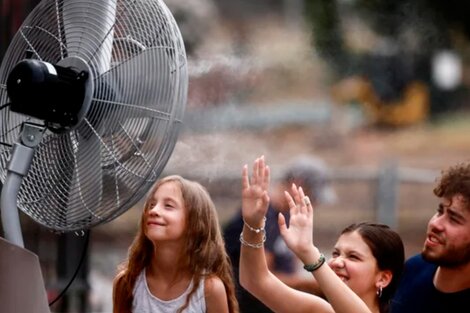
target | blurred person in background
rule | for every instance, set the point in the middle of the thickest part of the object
(309, 172)
(438, 279)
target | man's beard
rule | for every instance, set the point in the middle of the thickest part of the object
(453, 256)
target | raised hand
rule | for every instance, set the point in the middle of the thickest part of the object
(298, 236)
(255, 199)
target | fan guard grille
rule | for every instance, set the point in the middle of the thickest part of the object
(97, 171)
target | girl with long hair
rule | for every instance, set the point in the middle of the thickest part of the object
(177, 261)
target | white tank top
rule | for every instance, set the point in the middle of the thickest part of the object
(146, 302)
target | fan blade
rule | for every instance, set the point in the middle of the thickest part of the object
(137, 93)
(139, 96)
(91, 41)
(87, 188)
(88, 26)
(145, 80)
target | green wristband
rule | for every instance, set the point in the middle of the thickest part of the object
(314, 266)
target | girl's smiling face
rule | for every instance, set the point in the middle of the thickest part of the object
(165, 214)
(352, 260)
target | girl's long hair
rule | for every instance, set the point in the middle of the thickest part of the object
(205, 249)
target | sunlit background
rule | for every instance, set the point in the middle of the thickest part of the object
(378, 89)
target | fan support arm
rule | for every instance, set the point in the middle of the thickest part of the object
(18, 166)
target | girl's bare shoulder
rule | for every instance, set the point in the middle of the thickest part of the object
(213, 285)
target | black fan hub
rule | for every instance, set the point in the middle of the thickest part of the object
(53, 93)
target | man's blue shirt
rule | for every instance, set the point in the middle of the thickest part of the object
(416, 292)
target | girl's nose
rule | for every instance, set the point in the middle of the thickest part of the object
(337, 262)
(155, 210)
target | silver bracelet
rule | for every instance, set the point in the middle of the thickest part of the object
(256, 230)
(253, 245)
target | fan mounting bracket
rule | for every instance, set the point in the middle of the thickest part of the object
(31, 134)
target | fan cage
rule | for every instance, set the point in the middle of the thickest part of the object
(97, 171)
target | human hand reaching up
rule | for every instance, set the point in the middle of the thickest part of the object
(299, 235)
(255, 198)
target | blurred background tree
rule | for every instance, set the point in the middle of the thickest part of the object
(402, 61)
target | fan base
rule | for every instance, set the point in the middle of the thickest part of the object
(21, 283)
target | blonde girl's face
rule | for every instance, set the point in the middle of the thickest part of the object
(353, 262)
(166, 215)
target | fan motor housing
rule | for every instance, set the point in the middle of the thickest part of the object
(53, 93)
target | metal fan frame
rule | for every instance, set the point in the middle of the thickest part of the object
(132, 149)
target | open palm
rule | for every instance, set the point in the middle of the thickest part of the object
(298, 236)
(255, 199)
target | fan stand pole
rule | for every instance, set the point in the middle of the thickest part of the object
(18, 166)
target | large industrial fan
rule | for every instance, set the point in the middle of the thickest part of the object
(92, 95)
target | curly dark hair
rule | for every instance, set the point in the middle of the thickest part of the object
(455, 180)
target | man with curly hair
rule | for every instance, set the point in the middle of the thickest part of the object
(438, 280)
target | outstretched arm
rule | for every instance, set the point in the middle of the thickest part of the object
(298, 237)
(254, 273)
